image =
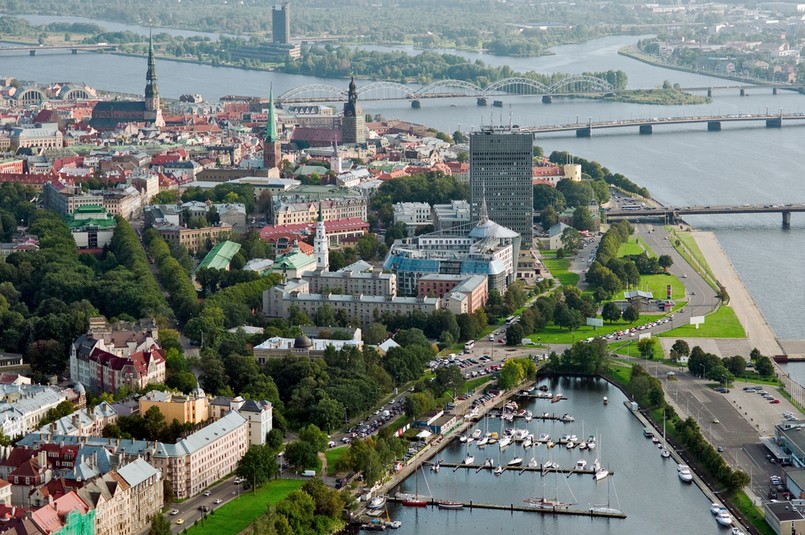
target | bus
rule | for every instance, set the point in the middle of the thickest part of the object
(468, 346)
(511, 320)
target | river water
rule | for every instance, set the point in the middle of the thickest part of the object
(644, 485)
(680, 164)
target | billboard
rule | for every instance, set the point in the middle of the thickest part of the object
(595, 322)
(643, 336)
(696, 320)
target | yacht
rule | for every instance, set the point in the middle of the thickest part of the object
(476, 434)
(684, 473)
(528, 442)
(519, 435)
(550, 465)
(581, 464)
(483, 442)
(665, 453)
(567, 418)
(377, 502)
(716, 508)
(469, 459)
(517, 461)
(498, 470)
(591, 442)
(504, 442)
(570, 444)
(724, 518)
(544, 437)
(445, 504)
(489, 462)
(463, 439)
(533, 463)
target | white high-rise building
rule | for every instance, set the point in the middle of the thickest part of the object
(321, 245)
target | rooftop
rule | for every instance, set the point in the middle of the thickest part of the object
(220, 256)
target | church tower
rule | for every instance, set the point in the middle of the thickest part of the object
(353, 128)
(271, 144)
(153, 112)
(321, 245)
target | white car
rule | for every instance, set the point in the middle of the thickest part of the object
(175, 512)
(216, 502)
(207, 493)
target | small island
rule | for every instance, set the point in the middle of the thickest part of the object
(670, 96)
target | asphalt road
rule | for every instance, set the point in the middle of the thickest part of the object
(733, 421)
(225, 491)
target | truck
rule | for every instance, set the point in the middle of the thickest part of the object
(309, 473)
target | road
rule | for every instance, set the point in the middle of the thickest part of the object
(225, 491)
(733, 421)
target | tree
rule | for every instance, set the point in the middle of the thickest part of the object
(665, 261)
(679, 349)
(274, 439)
(631, 314)
(582, 219)
(448, 378)
(160, 525)
(610, 312)
(301, 455)
(764, 366)
(571, 240)
(328, 413)
(514, 335)
(548, 217)
(736, 365)
(511, 374)
(755, 354)
(258, 465)
(314, 436)
(646, 347)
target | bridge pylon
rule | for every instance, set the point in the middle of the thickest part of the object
(786, 220)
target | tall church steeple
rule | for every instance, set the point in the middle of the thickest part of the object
(321, 245)
(151, 87)
(271, 142)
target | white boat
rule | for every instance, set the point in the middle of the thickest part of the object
(716, 508)
(724, 518)
(529, 416)
(737, 531)
(606, 401)
(483, 442)
(528, 442)
(435, 467)
(591, 442)
(533, 463)
(469, 459)
(573, 438)
(570, 444)
(498, 470)
(545, 503)
(600, 474)
(462, 439)
(567, 418)
(581, 464)
(489, 462)
(519, 435)
(377, 502)
(684, 473)
(582, 445)
(665, 453)
(517, 461)
(393, 524)
(544, 437)
(504, 442)
(550, 465)
(476, 434)
(470, 440)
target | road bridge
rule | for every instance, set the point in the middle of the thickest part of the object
(33, 49)
(674, 213)
(646, 126)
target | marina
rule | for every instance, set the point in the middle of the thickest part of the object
(563, 494)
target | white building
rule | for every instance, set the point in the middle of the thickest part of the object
(413, 214)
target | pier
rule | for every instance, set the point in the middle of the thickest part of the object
(521, 469)
(549, 510)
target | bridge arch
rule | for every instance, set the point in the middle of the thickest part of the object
(580, 83)
(386, 90)
(313, 92)
(28, 96)
(516, 86)
(450, 87)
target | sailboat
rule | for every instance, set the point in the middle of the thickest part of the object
(608, 509)
(450, 504)
(664, 453)
(415, 500)
(600, 472)
(550, 503)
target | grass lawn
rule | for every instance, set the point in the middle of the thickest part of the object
(553, 334)
(629, 347)
(559, 269)
(333, 455)
(723, 323)
(656, 284)
(620, 372)
(752, 513)
(631, 247)
(473, 384)
(689, 250)
(235, 516)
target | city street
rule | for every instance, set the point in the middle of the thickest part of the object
(188, 510)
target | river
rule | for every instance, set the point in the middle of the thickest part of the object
(644, 485)
(680, 165)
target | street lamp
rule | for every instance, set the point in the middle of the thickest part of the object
(704, 370)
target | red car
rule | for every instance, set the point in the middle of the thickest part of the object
(774, 401)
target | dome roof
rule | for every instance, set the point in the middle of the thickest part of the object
(302, 342)
(79, 388)
(490, 229)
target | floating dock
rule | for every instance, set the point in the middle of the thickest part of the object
(521, 469)
(592, 512)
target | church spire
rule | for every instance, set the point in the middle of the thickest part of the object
(271, 124)
(321, 217)
(321, 244)
(151, 87)
(272, 156)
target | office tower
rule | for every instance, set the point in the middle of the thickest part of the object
(500, 173)
(281, 24)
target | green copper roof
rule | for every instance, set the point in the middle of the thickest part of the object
(271, 125)
(220, 255)
(292, 260)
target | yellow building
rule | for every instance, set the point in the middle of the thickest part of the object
(193, 408)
